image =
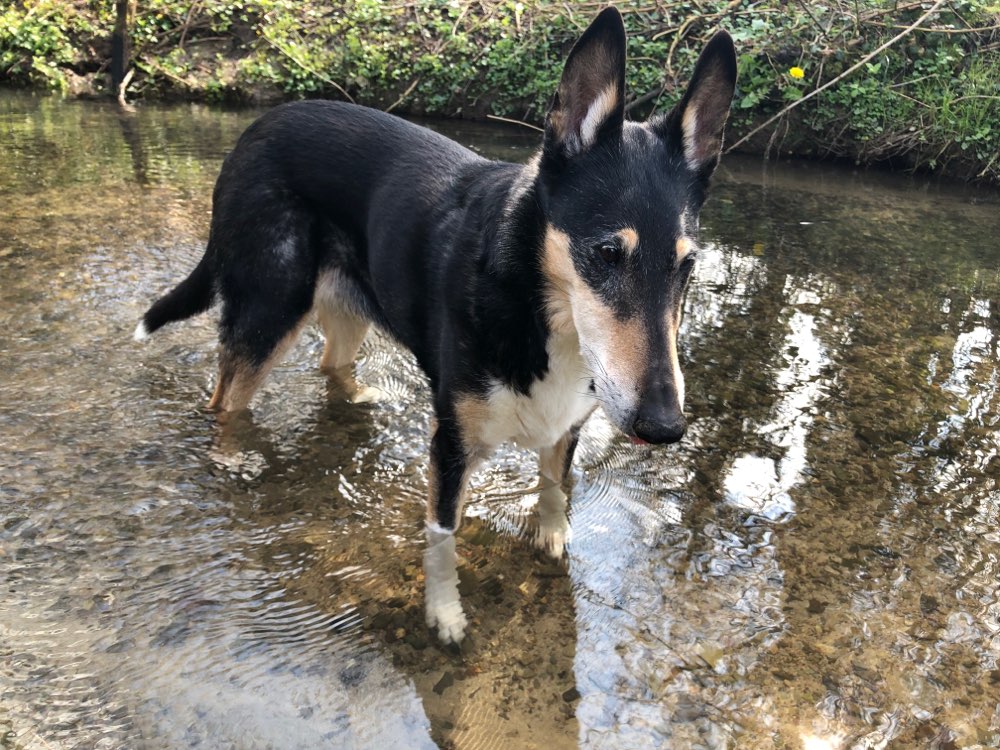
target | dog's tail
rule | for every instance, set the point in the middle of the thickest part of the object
(192, 296)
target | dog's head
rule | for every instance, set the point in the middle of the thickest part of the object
(621, 201)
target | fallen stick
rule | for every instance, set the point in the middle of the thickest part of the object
(512, 121)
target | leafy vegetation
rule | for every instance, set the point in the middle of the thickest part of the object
(930, 100)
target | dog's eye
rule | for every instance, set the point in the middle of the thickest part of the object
(610, 253)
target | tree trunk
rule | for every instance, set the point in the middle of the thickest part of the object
(120, 52)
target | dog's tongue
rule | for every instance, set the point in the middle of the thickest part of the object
(638, 440)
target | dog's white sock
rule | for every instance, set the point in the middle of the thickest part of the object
(553, 526)
(444, 608)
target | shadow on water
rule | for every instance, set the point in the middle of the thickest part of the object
(815, 566)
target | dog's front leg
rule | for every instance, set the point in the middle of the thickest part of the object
(451, 464)
(553, 466)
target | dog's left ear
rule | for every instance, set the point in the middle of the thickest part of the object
(589, 104)
(696, 124)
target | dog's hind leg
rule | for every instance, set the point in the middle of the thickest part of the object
(344, 332)
(241, 373)
(267, 293)
(553, 467)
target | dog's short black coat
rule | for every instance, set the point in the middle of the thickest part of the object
(411, 219)
(486, 271)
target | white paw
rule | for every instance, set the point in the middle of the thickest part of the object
(553, 526)
(553, 535)
(367, 394)
(448, 618)
(444, 607)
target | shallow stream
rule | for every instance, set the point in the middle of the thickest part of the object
(815, 566)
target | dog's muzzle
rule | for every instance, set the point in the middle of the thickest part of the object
(659, 418)
(659, 429)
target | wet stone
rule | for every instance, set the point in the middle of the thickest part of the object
(14, 521)
(928, 604)
(865, 673)
(468, 581)
(380, 621)
(173, 634)
(446, 681)
(550, 569)
(492, 587)
(688, 710)
(816, 607)
(352, 676)
(416, 640)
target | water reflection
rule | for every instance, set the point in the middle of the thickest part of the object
(761, 484)
(815, 566)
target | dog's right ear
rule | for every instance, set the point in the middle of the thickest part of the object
(694, 128)
(589, 104)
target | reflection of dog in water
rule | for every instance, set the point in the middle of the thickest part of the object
(528, 294)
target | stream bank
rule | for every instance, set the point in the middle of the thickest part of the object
(927, 102)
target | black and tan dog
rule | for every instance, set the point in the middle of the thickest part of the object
(528, 294)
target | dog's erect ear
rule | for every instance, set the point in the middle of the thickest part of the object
(695, 125)
(590, 102)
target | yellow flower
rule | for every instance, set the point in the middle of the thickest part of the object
(796, 72)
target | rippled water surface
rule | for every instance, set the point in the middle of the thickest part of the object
(816, 566)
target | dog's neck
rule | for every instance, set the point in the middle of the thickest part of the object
(510, 305)
(521, 228)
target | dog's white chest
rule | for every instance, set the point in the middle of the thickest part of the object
(553, 405)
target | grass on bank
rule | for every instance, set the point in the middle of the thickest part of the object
(930, 101)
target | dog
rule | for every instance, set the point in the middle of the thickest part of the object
(529, 294)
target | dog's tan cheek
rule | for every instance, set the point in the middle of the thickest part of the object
(557, 267)
(572, 304)
(621, 344)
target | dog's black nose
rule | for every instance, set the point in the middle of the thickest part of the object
(658, 429)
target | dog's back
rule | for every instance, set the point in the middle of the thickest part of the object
(351, 163)
(334, 204)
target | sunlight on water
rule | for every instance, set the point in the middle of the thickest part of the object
(815, 566)
(812, 742)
